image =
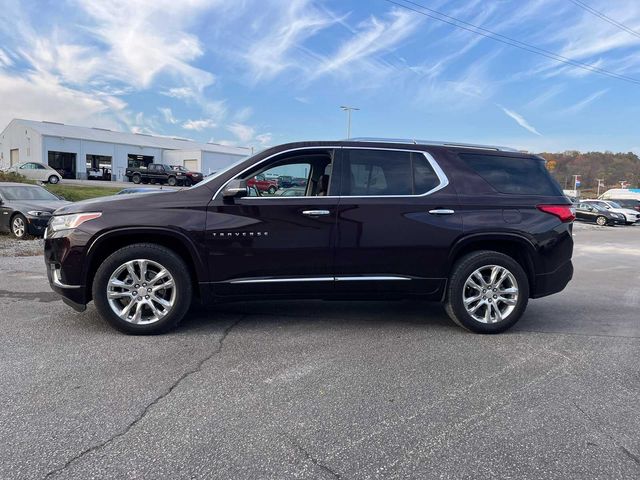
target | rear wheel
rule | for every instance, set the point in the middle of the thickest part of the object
(602, 221)
(272, 189)
(53, 179)
(19, 226)
(488, 292)
(136, 178)
(142, 289)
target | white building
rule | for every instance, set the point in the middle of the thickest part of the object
(76, 150)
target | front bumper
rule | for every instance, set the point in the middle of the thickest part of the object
(64, 256)
(36, 225)
(554, 282)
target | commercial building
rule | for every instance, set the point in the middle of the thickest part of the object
(102, 154)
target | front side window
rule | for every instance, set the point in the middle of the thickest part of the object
(300, 175)
(386, 173)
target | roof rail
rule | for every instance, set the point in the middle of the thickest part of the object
(433, 143)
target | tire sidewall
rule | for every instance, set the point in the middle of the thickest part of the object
(272, 190)
(172, 182)
(464, 269)
(602, 224)
(53, 179)
(136, 179)
(165, 257)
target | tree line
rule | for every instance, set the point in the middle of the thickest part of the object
(610, 167)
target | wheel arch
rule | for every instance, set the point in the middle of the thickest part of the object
(518, 247)
(107, 243)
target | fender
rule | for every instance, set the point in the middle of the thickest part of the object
(201, 269)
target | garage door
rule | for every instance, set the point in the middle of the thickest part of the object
(191, 165)
(15, 157)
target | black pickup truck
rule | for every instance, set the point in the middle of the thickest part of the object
(156, 173)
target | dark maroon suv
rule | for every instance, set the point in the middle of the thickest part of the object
(480, 229)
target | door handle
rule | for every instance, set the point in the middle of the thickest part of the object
(315, 213)
(442, 211)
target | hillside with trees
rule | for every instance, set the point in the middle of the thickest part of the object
(611, 167)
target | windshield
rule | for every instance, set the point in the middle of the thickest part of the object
(598, 207)
(215, 175)
(179, 168)
(26, 193)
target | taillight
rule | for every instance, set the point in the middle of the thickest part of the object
(566, 213)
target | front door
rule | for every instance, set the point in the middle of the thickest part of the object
(396, 223)
(273, 242)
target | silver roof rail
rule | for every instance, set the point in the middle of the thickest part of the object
(433, 143)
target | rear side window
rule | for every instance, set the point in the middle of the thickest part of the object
(515, 175)
(386, 172)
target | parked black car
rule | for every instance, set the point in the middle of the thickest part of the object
(590, 212)
(26, 209)
(156, 173)
(481, 229)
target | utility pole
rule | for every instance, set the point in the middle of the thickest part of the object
(600, 184)
(348, 110)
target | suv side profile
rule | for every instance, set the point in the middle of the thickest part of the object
(480, 229)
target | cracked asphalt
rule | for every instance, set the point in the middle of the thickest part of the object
(335, 390)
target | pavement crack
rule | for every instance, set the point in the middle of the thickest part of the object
(311, 458)
(197, 368)
(632, 456)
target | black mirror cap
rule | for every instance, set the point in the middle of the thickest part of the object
(235, 188)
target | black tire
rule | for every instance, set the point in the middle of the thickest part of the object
(187, 183)
(156, 253)
(53, 179)
(602, 221)
(19, 226)
(171, 181)
(272, 189)
(463, 269)
(136, 178)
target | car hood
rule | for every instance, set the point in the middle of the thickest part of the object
(42, 205)
(112, 203)
(625, 211)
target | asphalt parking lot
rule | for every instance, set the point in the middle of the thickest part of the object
(328, 389)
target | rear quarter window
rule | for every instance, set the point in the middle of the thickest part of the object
(514, 175)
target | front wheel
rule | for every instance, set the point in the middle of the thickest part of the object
(602, 221)
(487, 293)
(136, 179)
(53, 179)
(187, 183)
(171, 181)
(143, 289)
(19, 226)
(272, 189)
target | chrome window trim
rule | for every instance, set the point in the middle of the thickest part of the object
(444, 180)
(343, 278)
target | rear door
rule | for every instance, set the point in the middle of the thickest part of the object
(396, 223)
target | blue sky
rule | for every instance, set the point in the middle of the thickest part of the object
(264, 72)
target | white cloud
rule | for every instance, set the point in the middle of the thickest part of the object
(199, 125)
(167, 114)
(577, 107)
(520, 120)
(244, 133)
(373, 37)
(294, 22)
(546, 95)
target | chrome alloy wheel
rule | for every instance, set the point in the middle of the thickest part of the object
(490, 294)
(141, 292)
(18, 227)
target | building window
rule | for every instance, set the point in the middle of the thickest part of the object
(63, 162)
(98, 167)
(138, 161)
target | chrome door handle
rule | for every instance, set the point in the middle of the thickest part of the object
(315, 213)
(442, 211)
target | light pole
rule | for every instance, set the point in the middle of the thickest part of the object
(348, 110)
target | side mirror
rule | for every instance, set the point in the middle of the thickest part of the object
(235, 188)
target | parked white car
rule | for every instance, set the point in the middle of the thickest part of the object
(631, 216)
(37, 171)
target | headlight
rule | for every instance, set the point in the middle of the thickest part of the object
(38, 213)
(67, 222)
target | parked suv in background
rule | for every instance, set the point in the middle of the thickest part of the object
(481, 229)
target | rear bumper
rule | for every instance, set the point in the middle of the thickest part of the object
(554, 282)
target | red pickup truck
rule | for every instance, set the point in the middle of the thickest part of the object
(263, 184)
